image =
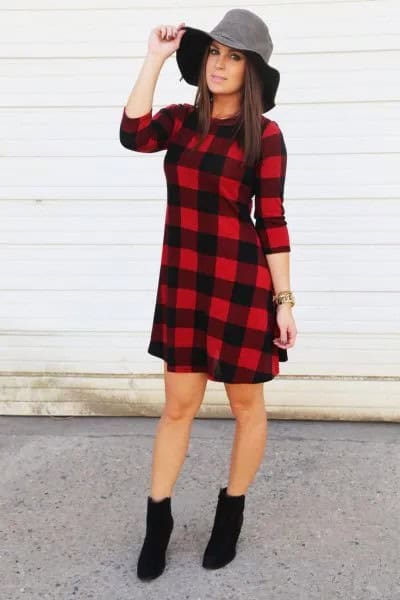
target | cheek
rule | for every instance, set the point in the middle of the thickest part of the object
(210, 60)
(239, 72)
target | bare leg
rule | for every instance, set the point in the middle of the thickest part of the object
(247, 404)
(184, 394)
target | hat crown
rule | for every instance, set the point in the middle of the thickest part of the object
(243, 29)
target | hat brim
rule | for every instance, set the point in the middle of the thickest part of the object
(190, 54)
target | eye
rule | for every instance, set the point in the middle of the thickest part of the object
(237, 56)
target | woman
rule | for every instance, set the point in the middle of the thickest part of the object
(223, 306)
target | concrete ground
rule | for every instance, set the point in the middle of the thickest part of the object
(322, 518)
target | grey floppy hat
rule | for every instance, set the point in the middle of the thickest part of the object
(241, 29)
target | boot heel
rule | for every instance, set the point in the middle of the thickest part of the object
(159, 526)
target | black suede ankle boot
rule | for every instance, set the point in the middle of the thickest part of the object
(221, 547)
(159, 525)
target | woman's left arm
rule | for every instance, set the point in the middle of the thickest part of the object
(279, 266)
(271, 224)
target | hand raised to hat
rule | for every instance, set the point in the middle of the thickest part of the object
(164, 40)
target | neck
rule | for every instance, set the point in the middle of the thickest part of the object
(225, 116)
(218, 111)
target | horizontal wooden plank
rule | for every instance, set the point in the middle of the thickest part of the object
(341, 353)
(302, 26)
(309, 222)
(93, 303)
(285, 398)
(133, 312)
(64, 315)
(135, 267)
(106, 5)
(128, 339)
(150, 253)
(18, 216)
(142, 175)
(141, 274)
(314, 78)
(108, 407)
(108, 275)
(140, 193)
(332, 128)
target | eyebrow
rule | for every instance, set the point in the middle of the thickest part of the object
(216, 45)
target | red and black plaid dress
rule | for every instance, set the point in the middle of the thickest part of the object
(213, 310)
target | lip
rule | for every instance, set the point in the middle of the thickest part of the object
(217, 78)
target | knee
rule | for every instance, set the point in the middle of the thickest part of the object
(250, 410)
(179, 411)
(242, 413)
(246, 401)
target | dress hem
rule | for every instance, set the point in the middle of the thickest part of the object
(201, 369)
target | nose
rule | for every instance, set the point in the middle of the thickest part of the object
(220, 61)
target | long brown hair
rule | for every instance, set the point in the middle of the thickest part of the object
(248, 128)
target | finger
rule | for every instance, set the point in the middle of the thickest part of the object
(280, 344)
(283, 337)
(291, 334)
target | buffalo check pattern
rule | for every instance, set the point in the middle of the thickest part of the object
(214, 311)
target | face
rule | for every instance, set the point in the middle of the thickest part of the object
(229, 65)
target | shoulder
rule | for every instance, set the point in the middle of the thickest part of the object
(175, 114)
(177, 110)
(269, 127)
(272, 139)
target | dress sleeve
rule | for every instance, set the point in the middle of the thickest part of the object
(269, 212)
(148, 132)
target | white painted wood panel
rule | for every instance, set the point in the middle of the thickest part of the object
(87, 132)
(130, 310)
(108, 395)
(99, 267)
(81, 218)
(330, 77)
(101, 29)
(355, 175)
(124, 351)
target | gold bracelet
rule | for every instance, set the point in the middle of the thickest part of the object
(284, 297)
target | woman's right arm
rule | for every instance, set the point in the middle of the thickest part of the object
(139, 129)
(140, 100)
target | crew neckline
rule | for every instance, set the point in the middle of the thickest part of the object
(220, 120)
(226, 120)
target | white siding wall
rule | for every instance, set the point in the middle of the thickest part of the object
(81, 217)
